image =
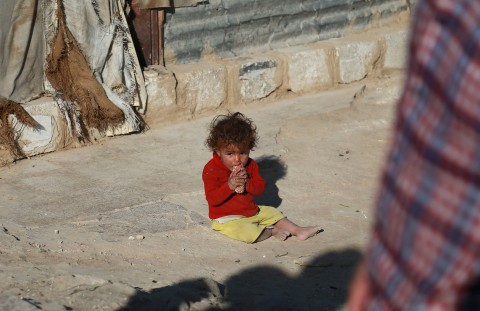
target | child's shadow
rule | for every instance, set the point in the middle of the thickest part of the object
(272, 169)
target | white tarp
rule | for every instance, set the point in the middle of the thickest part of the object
(101, 31)
(22, 49)
(154, 4)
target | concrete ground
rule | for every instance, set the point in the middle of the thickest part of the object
(123, 225)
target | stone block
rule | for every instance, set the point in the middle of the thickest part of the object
(307, 68)
(160, 84)
(200, 86)
(396, 50)
(48, 136)
(355, 59)
(258, 78)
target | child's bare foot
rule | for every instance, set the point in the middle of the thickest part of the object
(282, 235)
(304, 233)
(273, 231)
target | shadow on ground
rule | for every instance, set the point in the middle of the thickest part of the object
(322, 285)
(272, 169)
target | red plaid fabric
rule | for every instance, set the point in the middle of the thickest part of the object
(424, 253)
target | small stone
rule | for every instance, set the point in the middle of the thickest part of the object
(57, 232)
(131, 238)
(140, 237)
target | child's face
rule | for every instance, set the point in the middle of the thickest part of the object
(233, 155)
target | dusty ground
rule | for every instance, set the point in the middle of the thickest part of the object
(123, 225)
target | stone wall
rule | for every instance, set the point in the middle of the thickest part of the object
(185, 91)
(239, 27)
(193, 89)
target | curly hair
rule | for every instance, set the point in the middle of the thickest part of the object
(232, 129)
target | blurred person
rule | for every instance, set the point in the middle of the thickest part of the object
(424, 248)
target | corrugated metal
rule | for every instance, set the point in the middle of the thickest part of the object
(238, 27)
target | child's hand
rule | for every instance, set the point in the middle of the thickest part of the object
(238, 179)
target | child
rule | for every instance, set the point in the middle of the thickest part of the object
(231, 179)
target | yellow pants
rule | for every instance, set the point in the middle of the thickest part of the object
(248, 229)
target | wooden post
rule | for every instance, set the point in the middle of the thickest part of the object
(148, 28)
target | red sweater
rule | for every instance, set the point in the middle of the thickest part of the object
(222, 201)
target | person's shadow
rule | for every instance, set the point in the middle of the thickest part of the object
(322, 285)
(272, 169)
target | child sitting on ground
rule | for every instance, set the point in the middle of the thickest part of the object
(232, 179)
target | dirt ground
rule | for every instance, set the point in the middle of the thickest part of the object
(123, 225)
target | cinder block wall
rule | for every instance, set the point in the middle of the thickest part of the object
(238, 27)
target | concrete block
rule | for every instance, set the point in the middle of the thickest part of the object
(200, 86)
(45, 139)
(258, 78)
(160, 84)
(355, 59)
(396, 50)
(307, 68)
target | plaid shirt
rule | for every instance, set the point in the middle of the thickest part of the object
(424, 253)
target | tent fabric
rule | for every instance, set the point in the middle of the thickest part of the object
(7, 133)
(22, 51)
(100, 29)
(68, 71)
(154, 4)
